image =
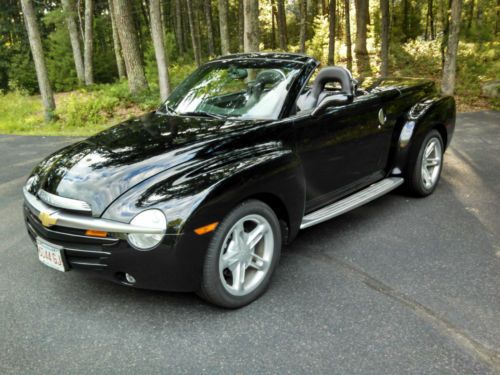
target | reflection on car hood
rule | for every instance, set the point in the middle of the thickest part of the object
(101, 168)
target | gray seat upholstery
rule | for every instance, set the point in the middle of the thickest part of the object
(326, 75)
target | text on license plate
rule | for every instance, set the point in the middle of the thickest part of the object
(50, 255)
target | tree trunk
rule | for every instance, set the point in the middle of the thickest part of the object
(120, 64)
(88, 42)
(283, 38)
(208, 19)
(450, 61)
(303, 25)
(274, 21)
(37, 51)
(360, 49)
(251, 16)
(130, 46)
(446, 29)
(311, 10)
(332, 13)
(384, 47)
(70, 12)
(497, 20)
(178, 27)
(429, 21)
(193, 28)
(241, 25)
(348, 43)
(159, 46)
(471, 15)
(223, 24)
(405, 20)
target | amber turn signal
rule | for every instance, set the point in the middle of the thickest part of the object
(206, 229)
(96, 233)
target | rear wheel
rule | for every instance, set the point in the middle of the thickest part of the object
(424, 168)
(242, 256)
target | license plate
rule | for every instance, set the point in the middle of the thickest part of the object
(50, 255)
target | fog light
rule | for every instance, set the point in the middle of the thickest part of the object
(130, 278)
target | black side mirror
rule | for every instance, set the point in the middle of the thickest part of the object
(334, 100)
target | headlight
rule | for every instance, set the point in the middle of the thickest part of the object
(150, 219)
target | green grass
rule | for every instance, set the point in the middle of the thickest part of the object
(81, 112)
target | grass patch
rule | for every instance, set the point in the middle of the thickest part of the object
(82, 112)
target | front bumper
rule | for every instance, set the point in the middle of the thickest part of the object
(166, 267)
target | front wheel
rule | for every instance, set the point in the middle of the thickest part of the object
(424, 168)
(242, 256)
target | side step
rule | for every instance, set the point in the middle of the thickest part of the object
(356, 200)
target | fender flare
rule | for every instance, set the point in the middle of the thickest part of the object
(438, 113)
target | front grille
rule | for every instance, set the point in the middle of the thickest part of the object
(81, 251)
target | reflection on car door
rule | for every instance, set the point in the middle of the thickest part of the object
(342, 150)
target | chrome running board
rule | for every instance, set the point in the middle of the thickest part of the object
(356, 200)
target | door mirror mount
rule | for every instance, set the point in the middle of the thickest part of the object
(334, 100)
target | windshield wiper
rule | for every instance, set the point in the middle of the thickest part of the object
(202, 114)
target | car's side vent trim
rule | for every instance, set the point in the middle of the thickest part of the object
(356, 200)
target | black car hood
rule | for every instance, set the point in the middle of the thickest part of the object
(101, 168)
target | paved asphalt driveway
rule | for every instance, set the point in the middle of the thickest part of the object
(399, 286)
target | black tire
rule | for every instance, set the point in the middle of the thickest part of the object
(212, 287)
(414, 176)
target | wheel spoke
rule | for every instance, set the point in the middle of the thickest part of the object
(238, 276)
(426, 176)
(431, 162)
(258, 263)
(230, 256)
(255, 236)
(429, 149)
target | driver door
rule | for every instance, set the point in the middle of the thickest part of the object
(343, 149)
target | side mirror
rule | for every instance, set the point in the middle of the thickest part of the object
(331, 101)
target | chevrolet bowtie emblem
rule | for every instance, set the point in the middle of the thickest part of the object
(46, 219)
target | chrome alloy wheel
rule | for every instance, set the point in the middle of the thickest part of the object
(246, 255)
(431, 162)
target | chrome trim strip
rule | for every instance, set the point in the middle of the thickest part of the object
(356, 200)
(62, 202)
(85, 222)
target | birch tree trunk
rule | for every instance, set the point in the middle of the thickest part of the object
(88, 42)
(120, 64)
(450, 61)
(130, 46)
(303, 25)
(283, 38)
(348, 42)
(332, 10)
(159, 46)
(384, 47)
(70, 12)
(251, 40)
(207, 4)
(224, 30)
(36, 49)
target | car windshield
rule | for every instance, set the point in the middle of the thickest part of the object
(244, 89)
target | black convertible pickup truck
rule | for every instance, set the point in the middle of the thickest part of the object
(201, 194)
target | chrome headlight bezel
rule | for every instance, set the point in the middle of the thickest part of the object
(151, 218)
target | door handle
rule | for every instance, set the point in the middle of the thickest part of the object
(382, 118)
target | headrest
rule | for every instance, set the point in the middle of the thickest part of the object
(333, 74)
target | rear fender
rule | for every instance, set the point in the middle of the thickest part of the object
(432, 113)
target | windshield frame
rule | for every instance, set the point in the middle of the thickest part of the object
(303, 69)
